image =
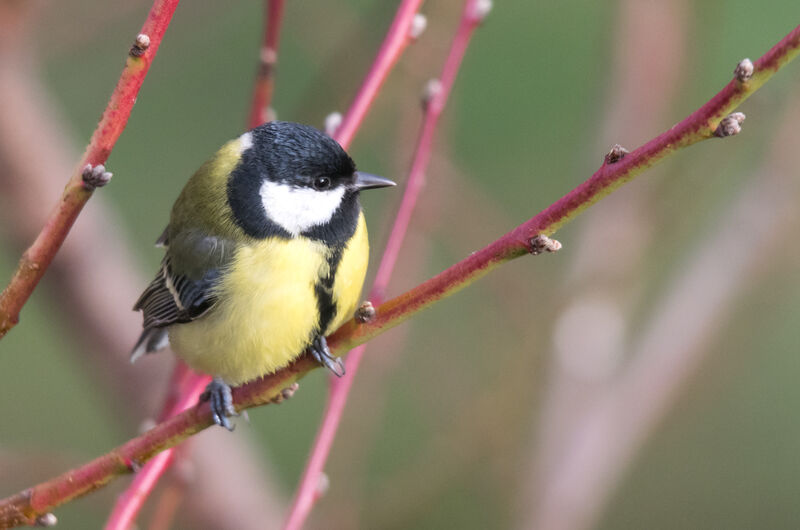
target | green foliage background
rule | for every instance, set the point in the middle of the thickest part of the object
(521, 129)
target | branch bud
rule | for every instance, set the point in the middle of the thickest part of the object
(418, 25)
(146, 425)
(141, 44)
(133, 465)
(95, 177)
(744, 70)
(481, 9)
(268, 57)
(285, 394)
(323, 485)
(542, 243)
(432, 89)
(46, 520)
(332, 123)
(616, 154)
(730, 125)
(366, 313)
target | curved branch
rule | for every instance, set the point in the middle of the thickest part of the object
(40, 254)
(24, 507)
(700, 125)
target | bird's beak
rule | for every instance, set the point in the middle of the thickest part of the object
(366, 181)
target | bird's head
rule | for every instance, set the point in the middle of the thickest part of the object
(294, 180)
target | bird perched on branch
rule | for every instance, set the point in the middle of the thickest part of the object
(266, 255)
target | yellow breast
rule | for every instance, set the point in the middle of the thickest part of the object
(266, 313)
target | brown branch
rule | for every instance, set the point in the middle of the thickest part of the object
(25, 506)
(40, 254)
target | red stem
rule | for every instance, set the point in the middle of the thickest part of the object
(185, 389)
(700, 125)
(395, 42)
(265, 78)
(306, 493)
(186, 386)
(416, 179)
(24, 507)
(131, 501)
(40, 254)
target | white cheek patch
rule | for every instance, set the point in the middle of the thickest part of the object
(298, 209)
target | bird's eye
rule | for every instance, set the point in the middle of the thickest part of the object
(322, 183)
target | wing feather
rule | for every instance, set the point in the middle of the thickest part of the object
(172, 298)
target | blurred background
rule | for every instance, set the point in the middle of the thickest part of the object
(644, 376)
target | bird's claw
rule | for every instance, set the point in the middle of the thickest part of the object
(220, 400)
(322, 354)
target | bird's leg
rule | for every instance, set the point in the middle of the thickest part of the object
(218, 394)
(322, 354)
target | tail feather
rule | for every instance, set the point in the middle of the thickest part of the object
(151, 340)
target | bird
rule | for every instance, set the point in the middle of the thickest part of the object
(266, 254)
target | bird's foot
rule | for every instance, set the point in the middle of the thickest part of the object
(322, 354)
(218, 394)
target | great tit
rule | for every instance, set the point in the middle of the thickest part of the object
(266, 253)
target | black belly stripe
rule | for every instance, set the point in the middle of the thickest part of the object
(324, 291)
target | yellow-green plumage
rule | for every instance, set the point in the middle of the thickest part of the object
(202, 202)
(266, 255)
(266, 313)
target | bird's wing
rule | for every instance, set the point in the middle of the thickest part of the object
(173, 298)
(179, 294)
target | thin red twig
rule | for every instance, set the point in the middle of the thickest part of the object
(698, 126)
(435, 99)
(169, 503)
(131, 501)
(268, 59)
(185, 389)
(40, 254)
(398, 37)
(24, 507)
